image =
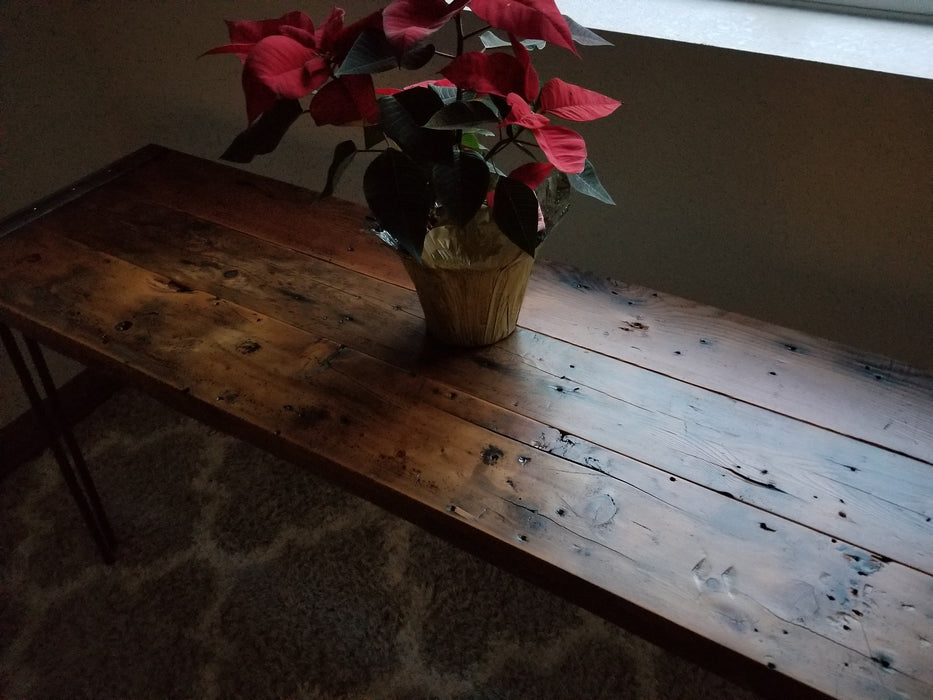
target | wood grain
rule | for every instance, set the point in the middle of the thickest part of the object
(777, 368)
(629, 443)
(816, 477)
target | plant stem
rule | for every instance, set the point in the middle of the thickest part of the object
(458, 22)
(477, 32)
(523, 146)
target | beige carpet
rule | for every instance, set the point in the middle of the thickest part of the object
(240, 576)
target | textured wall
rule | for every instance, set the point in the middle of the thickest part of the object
(789, 191)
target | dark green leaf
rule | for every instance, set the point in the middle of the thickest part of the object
(461, 186)
(588, 183)
(265, 133)
(403, 116)
(373, 135)
(464, 115)
(417, 56)
(500, 104)
(445, 92)
(515, 210)
(420, 102)
(584, 36)
(343, 154)
(399, 194)
(371, 53)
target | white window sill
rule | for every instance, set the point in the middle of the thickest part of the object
(888, 46)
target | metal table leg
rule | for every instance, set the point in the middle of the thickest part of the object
(61, 439)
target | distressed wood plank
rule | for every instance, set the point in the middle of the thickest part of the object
(813, 380)
(866, 396)
(674, 548)
(290, 216)
(381, 318)
(823, 480)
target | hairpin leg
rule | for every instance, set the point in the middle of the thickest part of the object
(50, 415)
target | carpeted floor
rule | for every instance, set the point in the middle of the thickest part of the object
(240, 576)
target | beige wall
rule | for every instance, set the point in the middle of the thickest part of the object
(789, 191)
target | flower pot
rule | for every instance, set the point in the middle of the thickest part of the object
(471, 282)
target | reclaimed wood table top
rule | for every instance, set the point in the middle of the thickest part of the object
(732, 489)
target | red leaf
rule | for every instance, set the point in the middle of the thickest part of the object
(241, 50)
(564, 147)
(251, 32)
(406, 22)
(532, 174)
(302, 36)
(522, 115)
(347, 99)
(531, 86)
(278, 62)
(327, 34)
(495, 73)
(364, 95)
(529, 19)
(574, 102)
(245, 34)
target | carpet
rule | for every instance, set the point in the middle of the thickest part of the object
(242, 576)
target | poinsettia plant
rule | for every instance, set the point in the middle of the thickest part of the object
(441, 145)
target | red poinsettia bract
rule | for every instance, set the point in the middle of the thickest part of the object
(529, 19)
(513, 77)
(406, 22)
(289, 58)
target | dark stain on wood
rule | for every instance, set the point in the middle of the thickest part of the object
(794, 348)
(202, 264)
(764, 484)
(491, 455)
(307, 416)
(178, 287)
(486, 363)
(629, 326)
(883, 660)
(396, 464)
(248, 347)
(294, 296)
(863, 563)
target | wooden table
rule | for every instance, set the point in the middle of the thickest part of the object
(744, 494)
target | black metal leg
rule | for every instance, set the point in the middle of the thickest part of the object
(49, 413)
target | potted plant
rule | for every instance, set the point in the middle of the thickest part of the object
(470, 171)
